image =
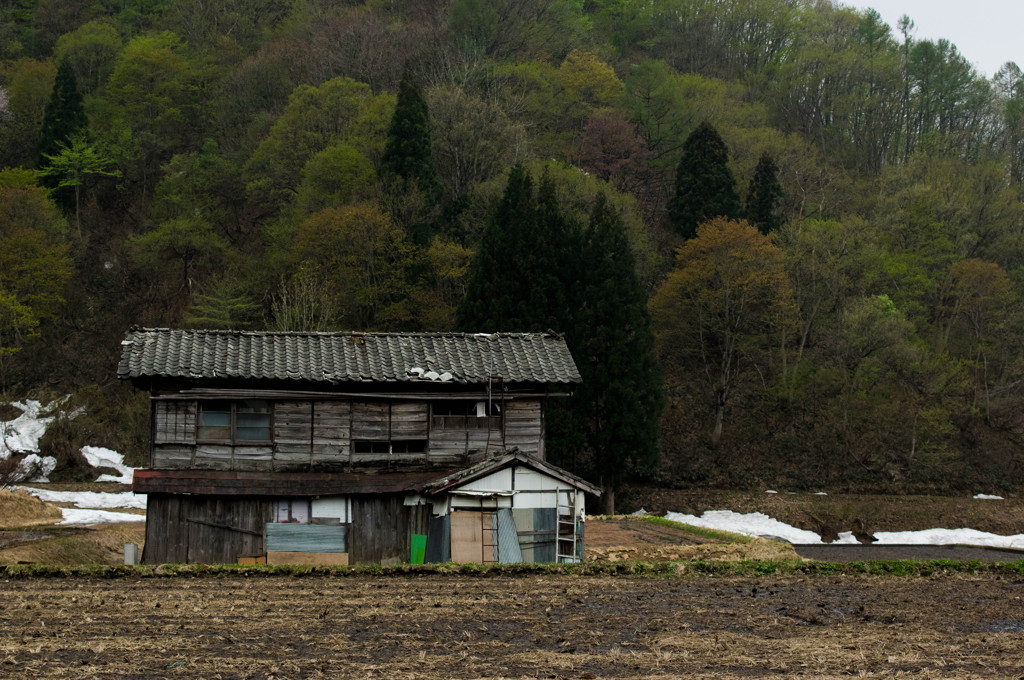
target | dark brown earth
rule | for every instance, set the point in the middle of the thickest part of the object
(440, 626)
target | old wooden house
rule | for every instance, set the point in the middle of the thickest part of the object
(353, 447)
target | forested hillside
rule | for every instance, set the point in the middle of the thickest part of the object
(823, 211)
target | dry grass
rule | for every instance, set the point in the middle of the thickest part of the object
(19, 508)
(103, 544)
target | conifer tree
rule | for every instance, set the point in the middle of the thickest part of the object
(407, 151)
(619, 402)
(705, 186)
(764, 195)
(64, 114)
(491, 302)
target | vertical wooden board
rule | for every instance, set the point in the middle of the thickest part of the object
(379, 527)
(467, 536)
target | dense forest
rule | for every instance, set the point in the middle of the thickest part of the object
(783, 238)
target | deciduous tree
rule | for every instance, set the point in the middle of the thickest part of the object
(723, 308)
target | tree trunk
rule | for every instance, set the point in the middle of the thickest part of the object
(608, 501)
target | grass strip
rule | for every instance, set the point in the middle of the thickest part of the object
(714, 534)
(895, 568)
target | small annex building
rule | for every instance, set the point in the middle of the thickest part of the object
(350, 448)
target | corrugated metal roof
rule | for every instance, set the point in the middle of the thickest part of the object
(347, 357)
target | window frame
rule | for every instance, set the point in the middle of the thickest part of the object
(233, 438)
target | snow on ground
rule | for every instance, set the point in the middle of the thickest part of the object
(22, 435)
(90, 499)
(759, 524)
(99, 457)
(79, 516)
(987, 497)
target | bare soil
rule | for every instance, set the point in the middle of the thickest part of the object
(437, 626)
(630, 538)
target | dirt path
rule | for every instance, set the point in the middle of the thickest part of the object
(508, 627)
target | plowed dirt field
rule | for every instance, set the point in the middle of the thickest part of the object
(443, 626)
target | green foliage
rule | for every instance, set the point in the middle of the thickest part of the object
(91, 50)
(764, 196)
(184, 244)
(705, 187)
(407, 152)
(363, 258)
(73, 162)
(35, 265)
(523, 273)
(339, 110)
(618, 405)
(64, 116)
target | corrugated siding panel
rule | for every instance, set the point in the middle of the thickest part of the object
(311, 538)
(545, 526)
(507, 550)
(439, 540)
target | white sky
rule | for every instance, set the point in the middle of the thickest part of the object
(986, 32)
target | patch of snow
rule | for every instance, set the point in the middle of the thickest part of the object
(759, 524)
(949, 537)
(987, 497)
(22, 434)
(751, 524)
(771, 491)
(819, 493)
(76, 516)
(99, 457)
(639, 513)
(90, 499)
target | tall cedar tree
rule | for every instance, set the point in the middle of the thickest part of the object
(64, 115)
(407, 150)
(705, 187)
(620, 399)
(764, 196)
(522, 277)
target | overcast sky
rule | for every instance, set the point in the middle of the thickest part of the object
(986, 32)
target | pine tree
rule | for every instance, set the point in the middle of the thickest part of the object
(619, 401)
(764, 196)
(705, 187)
(64, 114)
(407, 150)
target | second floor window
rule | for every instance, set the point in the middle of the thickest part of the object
(246, 421)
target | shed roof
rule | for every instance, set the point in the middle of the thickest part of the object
(460, 358)
(454, 480)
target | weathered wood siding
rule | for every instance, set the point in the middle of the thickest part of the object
(319, 435)
(205, 529)
(524, 426)
(382, 528)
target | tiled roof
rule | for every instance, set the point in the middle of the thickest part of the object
(347, 357)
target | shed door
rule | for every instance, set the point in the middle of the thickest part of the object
(474, 535)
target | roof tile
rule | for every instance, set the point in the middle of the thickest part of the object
(346, 357)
